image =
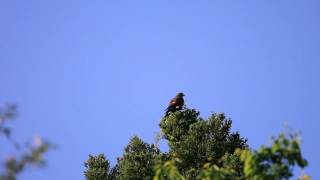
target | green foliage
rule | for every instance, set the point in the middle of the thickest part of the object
(214, 172)
(199, 141)
(168, 170)
(230, 170)
(275, 162)
(138, 160)
(205, 149)
(97, 168)
(176, 125)
(33, 155)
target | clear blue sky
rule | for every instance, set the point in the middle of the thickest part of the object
(88, 75)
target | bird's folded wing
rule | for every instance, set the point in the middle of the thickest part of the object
(173, 102)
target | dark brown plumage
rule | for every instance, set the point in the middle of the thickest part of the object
(175, 104)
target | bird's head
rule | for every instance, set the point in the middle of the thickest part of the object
(180, 94)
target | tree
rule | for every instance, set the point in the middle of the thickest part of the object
(138, 160)
(31, 155)
(98, 167)
(203, 149)
(274, 162)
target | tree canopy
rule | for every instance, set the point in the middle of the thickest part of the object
(200, 149)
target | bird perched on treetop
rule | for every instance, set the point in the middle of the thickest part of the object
(175, 104)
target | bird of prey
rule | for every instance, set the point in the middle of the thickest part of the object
(175, 104)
